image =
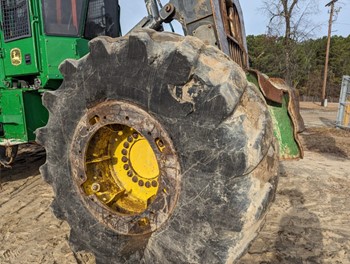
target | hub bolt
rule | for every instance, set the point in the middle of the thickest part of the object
(95, 187)
(154, 183)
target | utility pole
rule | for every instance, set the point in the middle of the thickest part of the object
(324, 100)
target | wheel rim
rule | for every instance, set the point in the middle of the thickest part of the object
(125, 166)
(129, 171)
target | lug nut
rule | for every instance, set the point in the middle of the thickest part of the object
(126, 166)
(154, 183)
(141, 183)
(124, 159)
(130, 139)
(148, 184)
(124, 152)
(130, 173)
(135, 135)
(95, 187)
(134, 179)
(126, 144)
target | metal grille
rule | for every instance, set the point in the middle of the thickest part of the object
(343, 117)
(96, 12)
(15, 19)
(102, 19)
(234, 32)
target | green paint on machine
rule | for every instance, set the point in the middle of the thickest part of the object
(21, 114)
(282, 125)
(34, 41)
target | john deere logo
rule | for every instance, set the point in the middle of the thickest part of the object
(16, 56)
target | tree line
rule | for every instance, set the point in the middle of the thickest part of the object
(306, 62)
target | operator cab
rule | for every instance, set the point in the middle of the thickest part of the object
(66, 18)
(38, 35)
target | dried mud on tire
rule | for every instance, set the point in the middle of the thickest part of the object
(226, 150)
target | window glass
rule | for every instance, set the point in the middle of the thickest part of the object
(102, 19)
(62, 17)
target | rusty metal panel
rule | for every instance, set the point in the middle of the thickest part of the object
(192, 14)
(284, 109)
(267, 88)
(215, 22)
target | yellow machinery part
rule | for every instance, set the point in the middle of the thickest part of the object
(122, 169)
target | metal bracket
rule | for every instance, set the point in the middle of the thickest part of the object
(156, 17)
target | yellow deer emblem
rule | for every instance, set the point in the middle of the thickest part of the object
(16, 56)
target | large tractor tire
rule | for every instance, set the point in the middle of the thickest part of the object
(158, 151)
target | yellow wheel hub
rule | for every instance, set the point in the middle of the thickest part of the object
(127, 181)
(125, 167)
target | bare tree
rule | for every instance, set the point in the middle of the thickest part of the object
(291, 20)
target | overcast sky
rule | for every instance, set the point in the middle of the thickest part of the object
(255, 21)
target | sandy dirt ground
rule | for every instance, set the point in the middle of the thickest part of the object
(308, 223)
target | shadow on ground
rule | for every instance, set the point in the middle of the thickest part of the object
(327, 122)
(296, 237)
(299, 237)
(27, 163)
(322, 141)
